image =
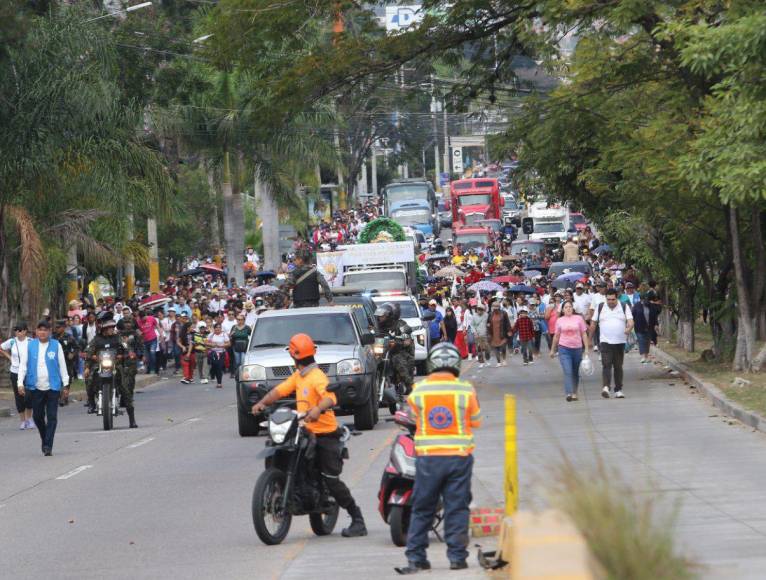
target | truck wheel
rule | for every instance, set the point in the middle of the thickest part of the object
(364, 414)
(248, 425)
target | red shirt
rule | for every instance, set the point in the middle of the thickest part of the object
(525, 327)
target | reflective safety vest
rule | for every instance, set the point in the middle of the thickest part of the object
(446, 409)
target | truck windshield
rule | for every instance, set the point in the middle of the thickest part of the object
(323, 328)
(408, 217)
(376, 280)
(510, 202)
(549, 227)
(474, 199)
(472, 240)
(397, 193)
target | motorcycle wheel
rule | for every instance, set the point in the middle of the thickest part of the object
(270, 524)
(106, 409)
(399, 523)
(323, 524)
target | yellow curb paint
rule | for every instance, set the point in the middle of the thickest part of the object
(511, 457)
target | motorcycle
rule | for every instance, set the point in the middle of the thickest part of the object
(108, 397)
(291, 485)
(396, 486)
(390, 391)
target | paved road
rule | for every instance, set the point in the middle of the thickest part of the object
(172, 498)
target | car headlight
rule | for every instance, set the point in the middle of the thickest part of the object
(278, 431)
(351, 366)
(252, 373)
(421, 339)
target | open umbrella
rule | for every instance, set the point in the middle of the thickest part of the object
(433, 257)
(486, 286)
(449, 272)
(212, 268)
(266, 274)
(507, 279)
(532, 273)
(156, 299)
(602, 248)
(522, 288)
(191, 272)
(265, 289)
(571, 276)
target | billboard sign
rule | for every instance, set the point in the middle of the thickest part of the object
(399, 18)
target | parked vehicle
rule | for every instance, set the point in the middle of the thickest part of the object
(396, 486)
(291, 485)
(344, 353)
(412, 202)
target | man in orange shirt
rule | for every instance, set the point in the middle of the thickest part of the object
(446, 410)
(309, 384)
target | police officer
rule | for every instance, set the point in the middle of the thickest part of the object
(133, 343)
(509, 229)
(305, 281)
(445, 409)
(71, 350)
(309, 385)
(107, 340)
(389, 323)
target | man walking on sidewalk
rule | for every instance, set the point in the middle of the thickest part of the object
(43, 372)
(615, 322)
(446, 410)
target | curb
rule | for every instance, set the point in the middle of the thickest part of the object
(714, 394)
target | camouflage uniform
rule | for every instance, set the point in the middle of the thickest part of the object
(133, 343)
(98, 344)
(403, 357)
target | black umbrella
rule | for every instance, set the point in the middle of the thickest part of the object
(191, 272)
(266, 274)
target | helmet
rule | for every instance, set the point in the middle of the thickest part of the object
(444, 356)
(302, 346)
(385, 315)
(397, 310)
(105, 320)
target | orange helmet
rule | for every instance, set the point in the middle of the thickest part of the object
(302, 346)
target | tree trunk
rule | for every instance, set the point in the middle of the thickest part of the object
(215, 226)
(666, 319)
(268, 212)
(685, 338)
(759, 285)
(233, 226)
(743, 355)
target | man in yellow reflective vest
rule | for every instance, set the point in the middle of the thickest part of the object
(446, 410)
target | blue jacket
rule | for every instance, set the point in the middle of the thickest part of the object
(51, 361)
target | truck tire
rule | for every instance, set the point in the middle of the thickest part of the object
(248, 425)
(364, 414)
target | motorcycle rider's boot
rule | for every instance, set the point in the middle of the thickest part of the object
(132, 417)
(357, 527)
(414, 567)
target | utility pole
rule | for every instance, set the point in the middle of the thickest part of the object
(72, 272)
(154, 255)
(130, 265)
(446, 140)
(434, 110)
(374, 169)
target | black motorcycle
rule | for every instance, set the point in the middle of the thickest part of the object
(291, 485)
(391, 390)
(107, 398)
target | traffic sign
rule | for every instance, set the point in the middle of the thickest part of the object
(457, 160)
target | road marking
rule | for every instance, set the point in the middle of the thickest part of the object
(74, 472)
(193, 420)
(141, 442)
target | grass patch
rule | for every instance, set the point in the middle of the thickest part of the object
(629, 534)
(752, 396)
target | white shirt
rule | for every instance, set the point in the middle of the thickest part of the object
(227, 325)
(582, 303)
(218, 341)
(215, 305)
(611, 323)
(596, 299)
(15, 346)
(43, 380)
(250, 318)
(90, 332)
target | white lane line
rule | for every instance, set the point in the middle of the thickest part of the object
(141, 442)
(74, 472)
(193, 420)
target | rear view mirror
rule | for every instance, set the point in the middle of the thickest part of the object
(528, 225)
(428, 315)
(368, 338)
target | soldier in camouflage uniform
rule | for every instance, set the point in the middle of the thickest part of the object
(403, 349)
(107, 340)
(71, 353)
(133, 343)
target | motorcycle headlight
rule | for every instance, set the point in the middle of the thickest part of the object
(278, 431)
(378, 350)
(351, 366)
(252, 373)
(404, 462)
(106, 361)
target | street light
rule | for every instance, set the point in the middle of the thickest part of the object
(128, 9)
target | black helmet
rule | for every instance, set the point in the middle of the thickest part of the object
(397, 310)
(385, 316)
(444, 357)
(105, 320)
